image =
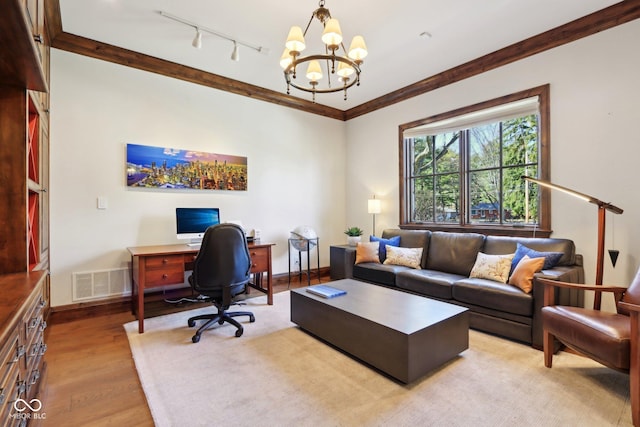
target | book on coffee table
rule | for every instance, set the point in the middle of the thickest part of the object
(325, 291)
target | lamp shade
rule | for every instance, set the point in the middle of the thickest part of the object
(295, 40)
(332, 35)
(374, 206)
(314, 72)
(285, 59)
(358, 49)
(345, 70)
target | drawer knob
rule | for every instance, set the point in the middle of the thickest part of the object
(165, 275)
(33, 323)
(164, 260)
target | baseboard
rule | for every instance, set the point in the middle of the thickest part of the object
(120, 304)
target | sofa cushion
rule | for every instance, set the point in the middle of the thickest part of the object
(493, 295)
(411, 239)
(429, 283)
(409, 257)
(382, 252)
(377, 273)
(508, 245)
(550, 258)
(367, 252)
(522, 275)
(492, 267)
(453, 252)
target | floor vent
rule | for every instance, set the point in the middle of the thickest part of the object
(98, 284)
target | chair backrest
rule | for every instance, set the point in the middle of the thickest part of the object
(632, 295)
(223, 259)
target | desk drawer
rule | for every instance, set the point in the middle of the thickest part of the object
(162, 261)
(164, 276)
(259, 259)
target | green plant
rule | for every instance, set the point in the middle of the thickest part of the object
(353, 231)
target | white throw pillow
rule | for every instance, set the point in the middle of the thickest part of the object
(492, 267)
(409, 257)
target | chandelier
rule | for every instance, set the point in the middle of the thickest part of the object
(335, 57)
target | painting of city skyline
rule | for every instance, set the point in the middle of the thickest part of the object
(160, 167)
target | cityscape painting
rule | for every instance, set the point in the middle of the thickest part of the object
(158, 167)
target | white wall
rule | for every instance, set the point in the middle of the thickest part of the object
(296, 165)
(297, 168)
(594, 140)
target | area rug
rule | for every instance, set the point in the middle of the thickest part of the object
(276, 374)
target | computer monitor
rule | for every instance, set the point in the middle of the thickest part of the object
(191, 223)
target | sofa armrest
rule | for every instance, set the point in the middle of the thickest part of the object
(341, 261)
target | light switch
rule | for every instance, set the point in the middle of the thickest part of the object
(102, 202)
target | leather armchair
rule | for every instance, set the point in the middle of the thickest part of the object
(608, 338)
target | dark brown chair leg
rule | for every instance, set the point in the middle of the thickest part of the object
(634, 370)
(547, 346)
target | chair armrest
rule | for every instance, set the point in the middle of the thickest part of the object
(629, 307)
(581, 286)
(549, 296)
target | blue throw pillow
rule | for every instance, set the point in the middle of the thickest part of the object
(382, 250)
(550, 258)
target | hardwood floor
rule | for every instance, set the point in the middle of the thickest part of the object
(91, 379)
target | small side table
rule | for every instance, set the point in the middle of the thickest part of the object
(341, 259)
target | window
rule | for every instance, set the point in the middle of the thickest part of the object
(464, 168)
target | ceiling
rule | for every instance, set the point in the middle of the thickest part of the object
(460, 31)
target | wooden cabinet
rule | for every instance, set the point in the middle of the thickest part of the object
(24, 208)
(23, 365)
(24, 137)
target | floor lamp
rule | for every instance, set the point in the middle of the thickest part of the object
(602, 208)
(374, 208)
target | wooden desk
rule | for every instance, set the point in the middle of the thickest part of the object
(162, 265)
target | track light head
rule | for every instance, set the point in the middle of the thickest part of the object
(197, 41)
(235, 55)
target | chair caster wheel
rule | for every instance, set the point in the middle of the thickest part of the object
(252, 319)
(195, 338)
(191, 323)
(239, 332)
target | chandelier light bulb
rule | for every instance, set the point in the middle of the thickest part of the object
(358, 49)
(314, 72)
(295, 40)
(332, 36)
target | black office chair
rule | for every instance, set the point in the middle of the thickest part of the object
(220, 272)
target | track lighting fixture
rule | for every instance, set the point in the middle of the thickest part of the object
(197, 41)
(235, 55)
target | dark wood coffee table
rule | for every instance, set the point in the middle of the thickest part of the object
(402, 335)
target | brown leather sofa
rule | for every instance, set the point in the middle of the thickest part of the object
(495, 307)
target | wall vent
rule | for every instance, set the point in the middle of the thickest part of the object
(98, 284)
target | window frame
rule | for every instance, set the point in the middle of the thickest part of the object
(543, 228)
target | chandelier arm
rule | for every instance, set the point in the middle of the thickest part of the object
(308, 25)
